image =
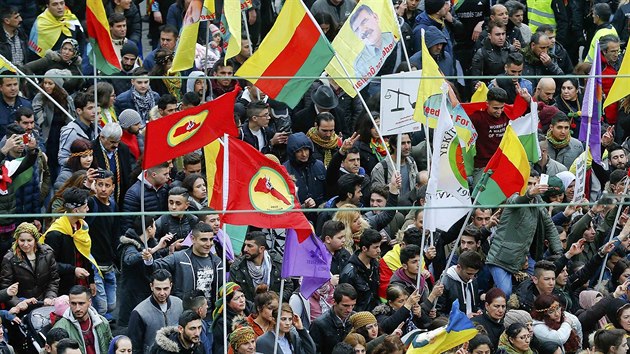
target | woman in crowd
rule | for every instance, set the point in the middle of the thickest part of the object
(67, 57)
(357, 342)
(293, 338)
(399, 308)
(569, 101)
(197, 193)
(355, 225)
(328, 25)
(391, 345)
(480, 344)
(365, 324)
(620, 273)
(120, 345)
(81, 158)
(568, 182)
(613, 341)
(236, 305)
(78, 179)
(105, 100)
(515, 340)
(32, 265)
(50, 118)
(371, 149)
(319, 302)
(551, 324)
(265, 302)
(492, 317)
(134, 282)
(171, 84)
(243, 340)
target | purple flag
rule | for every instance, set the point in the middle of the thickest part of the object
(308, 259)
(592, 109)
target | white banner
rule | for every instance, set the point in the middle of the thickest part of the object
(398, 98)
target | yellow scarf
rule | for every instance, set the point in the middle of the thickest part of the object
(49, 29)
(327, 145)
(81, 237)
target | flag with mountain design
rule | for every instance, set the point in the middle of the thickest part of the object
(188, 130)
(259, 188)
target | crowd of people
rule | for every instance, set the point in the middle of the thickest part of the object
(547, 276)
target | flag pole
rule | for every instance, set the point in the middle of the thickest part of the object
(277, 329)
(205, 64)
(251, 45)
(43, 92)
(225, 195)
(144, 225)
(367, 109)
(612, 232)
(402, 41)
(423, 240)
(425, 126)
(98, 118)
(398, 153)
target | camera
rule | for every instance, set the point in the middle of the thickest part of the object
(100, 173)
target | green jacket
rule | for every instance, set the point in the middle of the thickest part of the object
(100, 327)
(522, 231)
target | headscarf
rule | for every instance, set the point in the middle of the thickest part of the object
(587, 300)
(23, 228)
(112, 344)
(229, 288)
(566, 177)
(361, 319)
(240, 336)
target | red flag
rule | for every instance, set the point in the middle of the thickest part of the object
(263, 186)
(188, 130)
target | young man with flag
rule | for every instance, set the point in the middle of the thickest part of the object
(53, 26)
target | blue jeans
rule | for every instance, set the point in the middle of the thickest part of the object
(502, 279)
(105, 300)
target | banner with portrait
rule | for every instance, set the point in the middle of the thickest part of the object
(363, 44)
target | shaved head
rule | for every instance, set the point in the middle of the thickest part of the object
(546, 83)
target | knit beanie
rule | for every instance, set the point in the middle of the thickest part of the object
(241, 335)
(229, 288)
(214, 29)
(57, 76)
(545, 113)
(129, 48)
(516, 316)
(129, 118)
(433, 6)
(362, 319)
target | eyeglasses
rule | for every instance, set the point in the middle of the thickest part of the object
(524, 337)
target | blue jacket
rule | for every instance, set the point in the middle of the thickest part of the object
(444, 60)
(7, 113)
(310, 176)
(125, 101)
(423, 21)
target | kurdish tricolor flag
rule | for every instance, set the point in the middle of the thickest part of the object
(103, 56)
(526, 128)
(506, 173)
(447, 186)
(458, 331)
(294, 47)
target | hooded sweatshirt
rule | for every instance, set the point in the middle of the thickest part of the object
(456, 288)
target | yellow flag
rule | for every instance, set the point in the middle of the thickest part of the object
(232, 13)
(428, 87)
(5, 65)
(619, 88)
(481, 93)
(185, 51)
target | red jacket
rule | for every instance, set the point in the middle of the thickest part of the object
(610, 112)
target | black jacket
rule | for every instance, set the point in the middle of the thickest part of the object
(310, 176)
(154, 200)
(66, 256)
(245, 134)
(490, 60)
(328, 330)
(5, 47)
(492, 327)
(167, 341)
(339, 261)
(240, 275)
(180, 227)
(134, 21)
(365, 281)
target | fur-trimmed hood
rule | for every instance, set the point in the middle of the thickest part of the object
(130, 240)
(166, 339)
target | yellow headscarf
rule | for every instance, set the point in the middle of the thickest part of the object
(81, 237)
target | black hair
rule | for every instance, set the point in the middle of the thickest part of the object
(324, 116)
(23, 112)
(161, 275)
(82, 99)
(472, 231)
(201, 228)
(7, 12)
(347, 185)
(189, 181)
(543, 265)
(165, 100)
(606, 338)
(55, 335)
(255, 107)
(258, 237)
(191, 99)
(79, 290)
(559, 117)
(514, 59)
(178, 191)
(381, 190)
(192, 158)
(193, 300)
(344, 289)
(614, 147)
(67, 343)
(394, 291)
(186, 317)
(342, 348)
(75, 195)
(137, 223)
(393, 140)
(169, 29)
(412, 236)
(514, 329)
(364, 126)
(106, 174)
(369, 237)
(470, 259)
(545, 28)
(494, 24)
(219, 64)
(331, 228)
(497, 94)
(409, 252)
(139, 71)
(116, 17)
(479, 340)
(602, 10)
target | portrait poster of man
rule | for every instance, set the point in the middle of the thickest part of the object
(366, 39)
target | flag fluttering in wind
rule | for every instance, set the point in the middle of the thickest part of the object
(230, 27)
(308, 259)
(526, 128)
(103, 56)
(428, 87)
(294, 47)
(592, 110)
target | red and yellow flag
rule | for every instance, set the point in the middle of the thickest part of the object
(100, 39)
(188, 130)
